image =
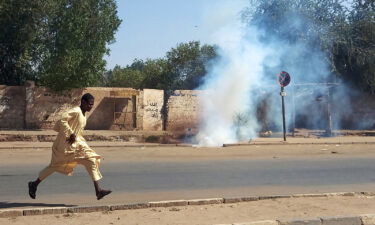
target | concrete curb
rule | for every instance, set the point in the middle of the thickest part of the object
(190, 145)
(104, 146)
(366, 219)
(300, 143)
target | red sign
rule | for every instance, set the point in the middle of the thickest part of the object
(283, 78)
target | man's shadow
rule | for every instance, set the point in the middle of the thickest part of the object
(4, 205)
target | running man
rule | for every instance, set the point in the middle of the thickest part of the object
(70, 148)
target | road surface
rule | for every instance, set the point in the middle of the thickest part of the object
(139, 174)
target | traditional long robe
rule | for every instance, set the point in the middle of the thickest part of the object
(66, 156)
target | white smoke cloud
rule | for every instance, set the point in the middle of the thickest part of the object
(246, 70)
(230, 81)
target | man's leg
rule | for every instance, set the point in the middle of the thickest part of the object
(92, 168)
(33, 185)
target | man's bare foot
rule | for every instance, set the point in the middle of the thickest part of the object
(102, 193)
(32, 189)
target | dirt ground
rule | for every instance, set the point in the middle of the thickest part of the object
(283, 209)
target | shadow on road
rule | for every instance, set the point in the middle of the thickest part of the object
(4, 205)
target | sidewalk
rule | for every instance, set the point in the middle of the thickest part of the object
(90, 135)
(20, 138)
(258, 141)
(311, 140)
(301, 209)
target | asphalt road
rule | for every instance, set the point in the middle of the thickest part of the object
(227, 176)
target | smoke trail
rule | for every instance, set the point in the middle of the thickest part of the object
(229, 85)
(246, 72)
(230, 82)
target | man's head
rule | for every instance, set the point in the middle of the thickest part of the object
(87, 102)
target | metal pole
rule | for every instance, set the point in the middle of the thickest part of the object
(329, 117)
(134, 111)
(294, 112)
(283, 111)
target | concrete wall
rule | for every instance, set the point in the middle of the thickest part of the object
(183, 112)
(45, 107)
(152, 106)
(33, 107)
(113, 109)
(12, 107)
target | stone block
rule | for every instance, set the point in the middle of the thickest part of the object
(32, 212)
(368, 219)
(273, 197)
(130, 206)
(57, 210)
(206, 201)
(316, 221)
(355, 220)
(264, 222)
(366, 193)
(168, 203)
(232, 200)
(250, 199)
(341, 194)
(11, 213)
(88, 209)
(309, 195)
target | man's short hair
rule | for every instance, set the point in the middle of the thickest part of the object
(87, 97)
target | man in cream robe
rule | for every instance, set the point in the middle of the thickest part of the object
(70, 148)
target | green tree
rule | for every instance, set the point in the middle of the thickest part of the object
(187, 64)
(345, 34)
(307, 23)
(296, 20)
(126, 77)
(80, 32)
(140, 74)
(22, 29)
(154, 73)
(59, 43)
(354, 50)
(182, 68)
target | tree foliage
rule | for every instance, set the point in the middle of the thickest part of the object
(354, 49)
(21, 50)
(295, 20)
(182, 68)
(58, 43)
(188, 63)
(344, 33)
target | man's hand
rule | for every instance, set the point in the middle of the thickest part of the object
(72, 139)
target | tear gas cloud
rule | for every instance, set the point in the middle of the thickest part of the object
(245, 72)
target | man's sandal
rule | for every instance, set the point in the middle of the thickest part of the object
(32, 190)
(103, 193)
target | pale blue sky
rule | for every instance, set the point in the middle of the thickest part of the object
(152, 27)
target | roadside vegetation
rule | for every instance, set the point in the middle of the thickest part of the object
(61, 43)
